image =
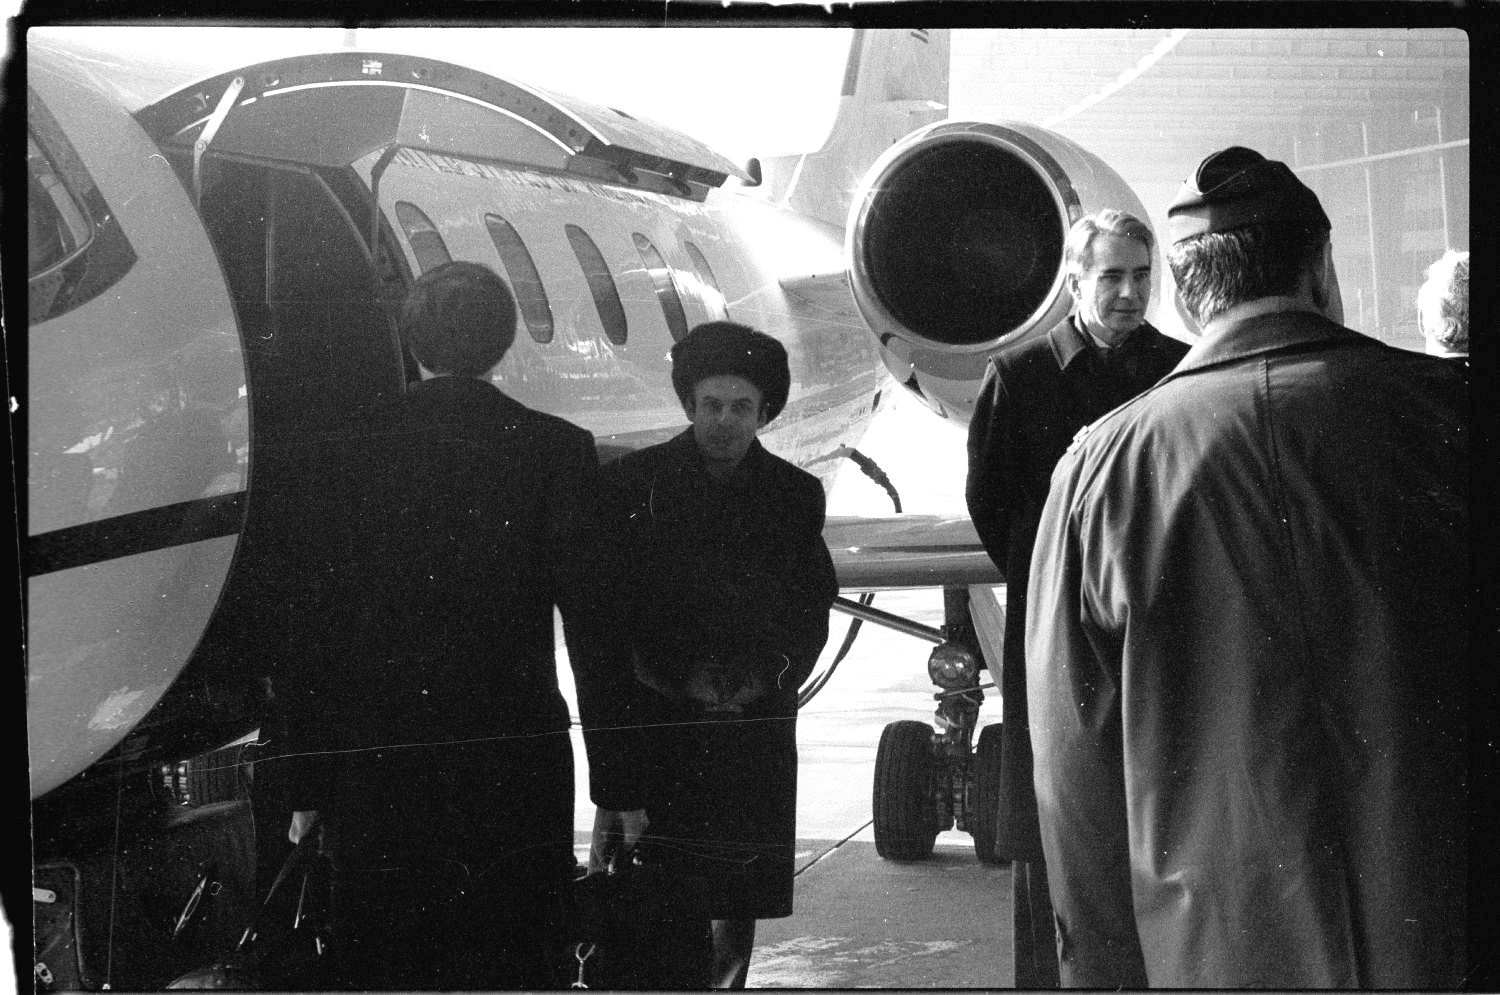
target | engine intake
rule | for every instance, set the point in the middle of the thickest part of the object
(955, 244)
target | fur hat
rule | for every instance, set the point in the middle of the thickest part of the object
(718, 348)
(1237, 187)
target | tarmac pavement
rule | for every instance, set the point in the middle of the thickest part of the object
(865, 922)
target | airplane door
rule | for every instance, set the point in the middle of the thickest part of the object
(319, 350)
(320, 346)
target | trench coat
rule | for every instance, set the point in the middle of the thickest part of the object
(1248, 649)
(1036, 395)
(735, 578)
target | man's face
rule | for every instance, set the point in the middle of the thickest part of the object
(1113, 290)
(727, 410)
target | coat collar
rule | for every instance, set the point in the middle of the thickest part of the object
(684, 450)
(453, 386)
(1263, 333)
(1069, 341)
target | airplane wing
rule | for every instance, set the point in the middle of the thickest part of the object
(903, 551)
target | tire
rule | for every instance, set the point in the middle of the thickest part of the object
(903, 806)
(984, 793)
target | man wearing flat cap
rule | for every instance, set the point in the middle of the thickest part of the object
(1247, 635)
(728, 587)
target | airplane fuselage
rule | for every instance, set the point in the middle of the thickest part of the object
(725, 257)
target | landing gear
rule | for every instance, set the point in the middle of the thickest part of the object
(984, 793)
(923, 787)
(930, 778)
(905, 803)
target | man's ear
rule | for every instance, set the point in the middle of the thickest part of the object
(1329, 297)
(1189, 320)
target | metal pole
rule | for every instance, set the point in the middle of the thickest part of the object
(1442, 161)
(1364, 133)
(888, 620)
(1457, 143)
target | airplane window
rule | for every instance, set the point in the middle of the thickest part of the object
(50, 237)
(666, 290)
(426, 244)
(601, 284)
(71, 257)
(525, 281)
(48, 242)
(710, 293)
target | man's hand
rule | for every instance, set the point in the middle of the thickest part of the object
(724, 689)
(615, 835)
(302, 824)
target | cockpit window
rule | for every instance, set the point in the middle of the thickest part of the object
(55, 226)
(525, 281)
(75, 248)
(666, 290)
(426, 244)
(601, 284)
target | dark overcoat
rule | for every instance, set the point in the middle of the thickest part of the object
(418, 706)
(732, 576)
(1037, 394)
(1248, 646)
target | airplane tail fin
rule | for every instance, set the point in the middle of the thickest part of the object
(896, 81)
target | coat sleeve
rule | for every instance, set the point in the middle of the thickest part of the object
(775, 605)
(993, 469)
(1073, 697)
(587, 563)
(812, 588)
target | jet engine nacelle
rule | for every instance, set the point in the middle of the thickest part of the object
(955, 245)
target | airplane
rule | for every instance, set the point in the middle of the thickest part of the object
(212, 282)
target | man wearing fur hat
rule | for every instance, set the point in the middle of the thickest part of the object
(1247, 636)
(727, 589)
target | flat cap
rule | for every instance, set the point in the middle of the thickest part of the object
(1237, 187)
(720, 348)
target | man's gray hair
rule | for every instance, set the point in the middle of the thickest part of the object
(1443, 302)
(1078, 249)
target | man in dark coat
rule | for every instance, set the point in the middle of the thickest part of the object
(728, 587)
(1037, 393)
(423, 725)
(1248, 636)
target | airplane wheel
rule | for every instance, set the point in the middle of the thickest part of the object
(905, 813)
(985, 793)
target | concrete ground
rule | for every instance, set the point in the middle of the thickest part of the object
(864, 922)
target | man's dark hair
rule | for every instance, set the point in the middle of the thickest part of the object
(459, 318)
(1218, 270)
